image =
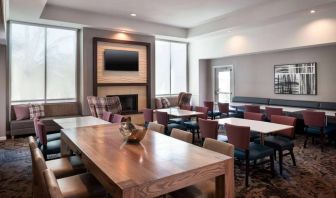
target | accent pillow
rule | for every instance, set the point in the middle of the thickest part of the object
(21, 112)
(36, 110)
(165, 102)
(158, 103)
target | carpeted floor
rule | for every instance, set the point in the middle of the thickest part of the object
(314, 175)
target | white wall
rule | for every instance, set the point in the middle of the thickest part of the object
(3, 91)
(307, 30)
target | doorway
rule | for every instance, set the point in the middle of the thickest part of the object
(223, 83)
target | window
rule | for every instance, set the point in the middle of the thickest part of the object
(171, 67)
(43, 63)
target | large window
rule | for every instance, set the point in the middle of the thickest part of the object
(43, 63)
(171, 67)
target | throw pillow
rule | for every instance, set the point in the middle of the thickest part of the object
(21, 112)
(36, 110)
(165, 102)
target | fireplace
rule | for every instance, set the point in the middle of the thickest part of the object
(129, 103)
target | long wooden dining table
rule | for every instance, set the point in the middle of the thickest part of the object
(158, 165)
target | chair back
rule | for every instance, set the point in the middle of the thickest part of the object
(182, 135)
(186, 107)
(223, 107)
(209, 104)
(203, 110)
(36, 120)
(117, 118)
(52, 187)
(273, 111)
(107, 116)
(91, 102)
(252, 108)
(314, 118)
(184, 99)
(148, 115)
(239, 136)
(219, 147)
(162, 118)
(42, 133)
(156, 127)
(286, 120)
(39, 166)
(253, 116)
(208, 128)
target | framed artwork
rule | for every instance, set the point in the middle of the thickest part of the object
(295, 79)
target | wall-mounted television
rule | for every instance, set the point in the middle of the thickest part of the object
(121, 60)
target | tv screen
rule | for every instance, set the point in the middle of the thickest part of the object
(121, 60)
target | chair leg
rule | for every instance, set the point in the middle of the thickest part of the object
(305, 142)
(292, 156)
(275, 155)
(193, 136)
(247, 161)
(272, 164)
(322, 141)
(280, 161)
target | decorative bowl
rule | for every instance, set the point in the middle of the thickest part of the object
(131, 133)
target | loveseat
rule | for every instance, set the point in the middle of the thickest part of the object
(173, 101)
(52, 111)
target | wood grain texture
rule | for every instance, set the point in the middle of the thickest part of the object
(123, 90)
(160, 164)
(104, 76)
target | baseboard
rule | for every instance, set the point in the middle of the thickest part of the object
(3, 138)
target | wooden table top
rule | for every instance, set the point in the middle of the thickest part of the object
(176, 112)
(256, 126)
(144, 166)
(82, 121)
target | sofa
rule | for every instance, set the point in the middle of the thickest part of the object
(52, 111)
(183, 98)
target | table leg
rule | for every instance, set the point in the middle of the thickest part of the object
(65, 150)
(262, 139)
(225, 183)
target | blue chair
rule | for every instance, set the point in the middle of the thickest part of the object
(193, 125)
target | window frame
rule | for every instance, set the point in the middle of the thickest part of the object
(170, 69)
(44, 100)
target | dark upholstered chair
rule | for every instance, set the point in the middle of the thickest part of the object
(282, 140)
(192, 125)
(315, 126)
(211, 113)
(252, 108)
(209, 129)
(163, 118)
(182, 135)
(47, 147)
(107, 116)
(184, 99)
(148, 116)
(272, 111)
(117, 118)
(50, 137)
(224, 109)
(239, 136)
(253, 116)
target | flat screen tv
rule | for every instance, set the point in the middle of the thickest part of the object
(121, 60)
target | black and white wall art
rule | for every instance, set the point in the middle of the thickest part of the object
(296, 79)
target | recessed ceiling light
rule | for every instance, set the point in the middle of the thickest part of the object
(312, 11)
(133, 15)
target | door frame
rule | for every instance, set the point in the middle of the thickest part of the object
(214, 80)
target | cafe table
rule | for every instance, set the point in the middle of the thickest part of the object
(179, 113)
(156, 166)
(256, 126)
(80, 121)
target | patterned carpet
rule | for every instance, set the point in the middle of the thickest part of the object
(314, 175)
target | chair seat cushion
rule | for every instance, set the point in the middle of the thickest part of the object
(191, 125)
(316, 131)
(214, 113)
(83, 185)
(277, 142)
(257, 151)
(66, 166)
(53, 136)
(176, 120)
(53, 147)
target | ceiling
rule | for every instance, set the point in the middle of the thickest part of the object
(180, 13)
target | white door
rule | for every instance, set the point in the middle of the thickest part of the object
(223, 84)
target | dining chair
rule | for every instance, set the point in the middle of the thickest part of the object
(47, 147)
(83, 185)
(282, 140)
(50, 137)
(193, 125)
(218, 146)
(156, 127)
(315, 126)
(181, 120)
(117, 118)
(209, 129)
(163, 118)
(253, 116)
(272, 111)
(211, 113)
(182, 135)
(224, 109)
(239, 136)
(148, 116)
(107, 116)
(252, 108)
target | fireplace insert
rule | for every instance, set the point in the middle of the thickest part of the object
(129, 103)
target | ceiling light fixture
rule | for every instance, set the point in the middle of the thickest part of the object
(312, 11)
(133, 15)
